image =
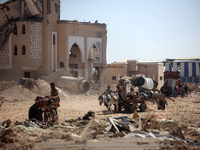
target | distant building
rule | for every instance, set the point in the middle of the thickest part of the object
(150, 69)
(34, 42)
(189, 68)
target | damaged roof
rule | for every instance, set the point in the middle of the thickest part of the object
(3, 2)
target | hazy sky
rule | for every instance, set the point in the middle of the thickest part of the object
(142, 29)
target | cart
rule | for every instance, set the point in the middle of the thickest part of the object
(132, 105)
(49, 106)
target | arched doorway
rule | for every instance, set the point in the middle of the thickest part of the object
(94, 60)
(75, 61)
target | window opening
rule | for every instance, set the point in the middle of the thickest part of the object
(23, 29)
(15, 50)
(23, 50)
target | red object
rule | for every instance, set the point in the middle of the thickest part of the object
(172, 74)
(119, 90)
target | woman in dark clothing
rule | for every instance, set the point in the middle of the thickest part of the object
(35, 112)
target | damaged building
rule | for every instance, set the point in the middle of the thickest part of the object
(35, 42)
(150, 69)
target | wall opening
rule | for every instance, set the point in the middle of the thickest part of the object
(23, 50)
(27, 74)
(15, 30)
(94, 63)
(114, 78)
(23, 29)
(75, 61)
(54, 51)
(15, 50)
(62, 65)
(54, 39)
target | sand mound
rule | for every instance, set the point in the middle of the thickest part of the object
(6, 85)
(193, 87)
(28, 90)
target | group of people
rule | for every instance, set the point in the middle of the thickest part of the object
(35, 111)
(179, 89)
(108, 91)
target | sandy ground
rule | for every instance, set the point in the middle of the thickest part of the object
(17, 101)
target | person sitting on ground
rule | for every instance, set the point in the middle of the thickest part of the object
(35, 112)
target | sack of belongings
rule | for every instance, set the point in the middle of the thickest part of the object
(52, 101)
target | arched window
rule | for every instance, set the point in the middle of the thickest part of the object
(15, 50)
(15, 30)
(23, 29)
(23, 50)
(61, 64)
(54, 39)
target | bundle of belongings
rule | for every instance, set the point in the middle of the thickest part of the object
(47, 103)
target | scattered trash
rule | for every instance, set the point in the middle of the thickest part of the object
(89, 115)
(158, 117)
(195, 121)
(120, 124)
(18, 122)
(135, 115)
(144, 134)
(197, 132)
(6, 123)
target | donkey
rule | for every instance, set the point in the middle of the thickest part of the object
(109, 100)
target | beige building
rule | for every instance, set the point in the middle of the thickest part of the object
(34, 42)
(150, 69)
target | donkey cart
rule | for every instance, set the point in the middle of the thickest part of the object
(132, 105)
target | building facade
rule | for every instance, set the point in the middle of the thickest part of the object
(153, 70)
(189, 68)
(35, 42)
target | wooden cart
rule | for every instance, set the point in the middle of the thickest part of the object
(132, 104)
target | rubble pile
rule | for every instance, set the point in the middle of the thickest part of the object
(94, 88)
(87, 127)
(4, 85)
(25, 89)
(193, 87)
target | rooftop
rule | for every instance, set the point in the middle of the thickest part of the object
(183, 59)
(82, 23)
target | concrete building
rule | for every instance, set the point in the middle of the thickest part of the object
(189, 68)
(34, 42)
(150, 69)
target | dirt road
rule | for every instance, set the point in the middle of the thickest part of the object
(185, 111)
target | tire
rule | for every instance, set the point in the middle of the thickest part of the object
(143, 107)
(133, 108)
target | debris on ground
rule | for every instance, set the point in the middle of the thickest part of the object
(90, 114)
(181, 127)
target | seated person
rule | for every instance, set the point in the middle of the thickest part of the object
(108, 92)
(35, 112)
